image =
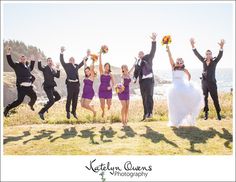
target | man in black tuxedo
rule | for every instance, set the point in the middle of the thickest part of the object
(49, 72)
(72, 82)
(24, 81)
(143, 71)
(208, 76)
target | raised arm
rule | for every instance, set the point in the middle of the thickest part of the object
(153, 49)
(188, 74)
(92, 70)
(100, 63)
(57, 75)
(192, 41)
(62, 57)
(9, 59)
(32, 62)
(40, 65)
(170, 56)
(132, 69)
(83, 62)
(221, 44)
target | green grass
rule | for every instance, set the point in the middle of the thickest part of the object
(24, 133)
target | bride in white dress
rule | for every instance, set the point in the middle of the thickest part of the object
(185, 98)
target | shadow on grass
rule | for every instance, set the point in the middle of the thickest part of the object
(68, 133)
(195, 135)
(129, 132)
(110, 133)
(16, 138)
(227, 136)
(43, 134)
(156, 136)
(88, 133)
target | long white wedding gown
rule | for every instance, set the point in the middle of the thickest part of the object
(185, 100)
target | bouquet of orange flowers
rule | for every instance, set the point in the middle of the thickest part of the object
(94, 57)
(104, 49)
(166, 40)
(119, 88)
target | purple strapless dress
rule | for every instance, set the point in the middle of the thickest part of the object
(125, 94)
(88, 92)
(103, 93)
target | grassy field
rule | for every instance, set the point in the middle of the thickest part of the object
(24, 133)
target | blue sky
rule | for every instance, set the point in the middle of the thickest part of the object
(124, 27)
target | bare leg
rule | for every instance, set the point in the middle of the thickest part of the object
(123, 109)
(82, 102)
(108, 104)
(86, 105)
(126, 111)
(102, 105)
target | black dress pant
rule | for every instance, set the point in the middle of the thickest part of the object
(53, 96)
(146, 89)
(72, 96)
(210, 87)
(21, 93)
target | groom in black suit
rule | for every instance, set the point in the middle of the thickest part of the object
(24, 81)
(49, 72)
(208, 76)
(143, 71)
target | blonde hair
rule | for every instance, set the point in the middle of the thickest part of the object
(124, 66)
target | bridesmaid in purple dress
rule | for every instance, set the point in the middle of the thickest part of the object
(124, 96)
(88, 92)
(105, 88)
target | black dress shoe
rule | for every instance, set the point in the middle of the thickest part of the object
(218, 116)
(31, 107)
(206, 116)
(75, 115)
(68, 115)
(144, 117)
(6, 110)
(41, 116)
(149, 115)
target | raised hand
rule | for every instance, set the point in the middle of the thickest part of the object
(88, 52)
(39, 57)
(62, 49)
(153, 36)
(221, 43)
(57, 66)
(9, 50)
(192, 41)
(32, 57)
(167, 47)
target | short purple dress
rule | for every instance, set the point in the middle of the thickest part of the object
(88, 92)
(125, 94)
(103, 93)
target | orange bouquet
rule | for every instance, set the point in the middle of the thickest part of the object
(104, 49)
(94, 57)
(166, 40)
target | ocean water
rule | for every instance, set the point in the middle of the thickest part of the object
(224, 77)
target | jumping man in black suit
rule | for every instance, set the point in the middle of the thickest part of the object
(72, 82)
(24, 80)
(143, 70)
(208, 76)
(49, 72)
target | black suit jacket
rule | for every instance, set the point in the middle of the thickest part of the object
(71, 71)
(48, 75)
(23, 72)
(209, 71)
(146, 64)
